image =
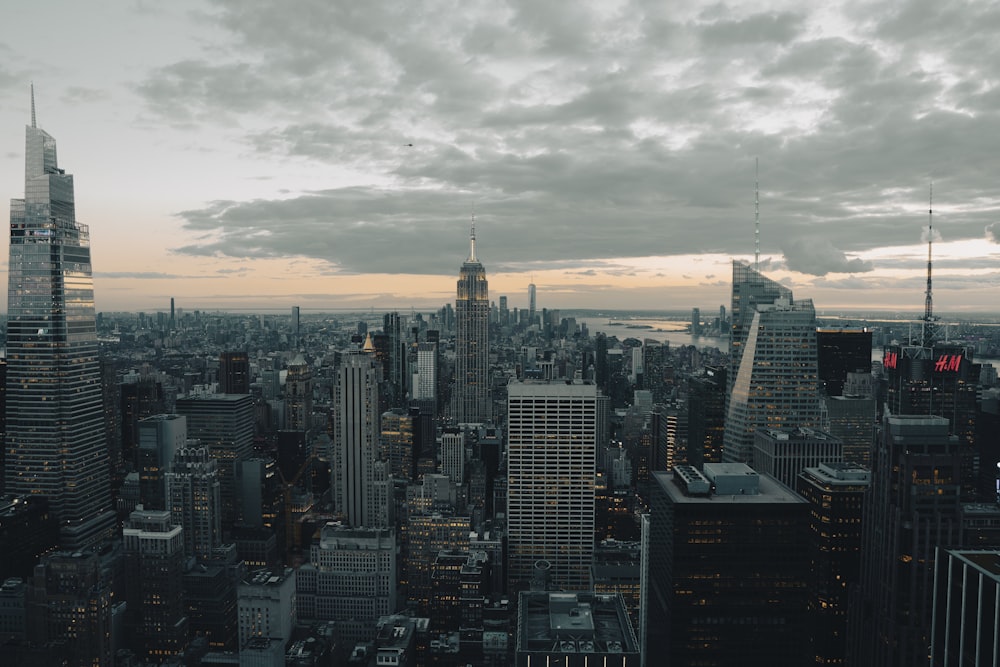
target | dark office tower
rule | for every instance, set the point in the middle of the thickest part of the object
(27, 530)
(394, 364)
(776, 385)
(601, 373)
(472, 342)
(912, 508)
(728, 568)
(360, 481)
(296, 331)
(657, 371)
(940, 380)
(139, 396)
(835, 492)
(298, 395)
(706, 416)
(195, 500)
(531, 303)
(154, 565)
(173, 319)
(839, 352)
(398, 443)
(69, 608)
(56, 442)
(966, 621)
(504, 312)
(224, 424)
(696, 321)
(3, 419)
(234, 372)
(160, 437)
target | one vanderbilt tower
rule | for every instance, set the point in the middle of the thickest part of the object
(472, 343)
(56, 444)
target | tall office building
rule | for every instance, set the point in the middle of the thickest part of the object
(296, 331)
(56, 440)
(472, 342)
(750, 289)
(776, 382)
(835, 492)
(298, 395)
(552, 447)
(224, 423)
(425, 381)
(728, 568)
(234, 372)
(195, 501)
(912, 508)
(531, 304)
(361, 481)
(160, 437)
(154, 563)
(840, 352)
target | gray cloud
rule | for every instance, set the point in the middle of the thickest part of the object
(819, 257)
(592, 132)
(993, 232)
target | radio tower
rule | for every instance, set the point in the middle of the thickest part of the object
(930, 328)
(756, 215)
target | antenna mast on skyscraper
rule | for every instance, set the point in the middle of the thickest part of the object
(756, 215)
(929, 328)
(472, 236)
(33, 104)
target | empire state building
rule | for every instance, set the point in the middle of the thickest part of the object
(56, 444)
(472, 342)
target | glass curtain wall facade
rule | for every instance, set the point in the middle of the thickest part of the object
(56, 443)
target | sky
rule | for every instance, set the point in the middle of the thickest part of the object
(331, 154)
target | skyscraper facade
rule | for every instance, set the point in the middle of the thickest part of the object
(552, 448)
(360, 480)
(56, 443)
(472, 342)
(776, 384)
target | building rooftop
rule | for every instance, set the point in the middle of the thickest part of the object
(769, 490)
(582, 623)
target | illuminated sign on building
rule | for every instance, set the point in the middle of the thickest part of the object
(948, 363)
(890, 359)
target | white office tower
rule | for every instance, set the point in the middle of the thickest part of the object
(776, 386)
(453, 456)
(360, 481)
(425, 379)
(194, 498)
(552, 444)
(351, 575)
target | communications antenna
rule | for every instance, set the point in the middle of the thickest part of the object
(756, 214)
(929, 319)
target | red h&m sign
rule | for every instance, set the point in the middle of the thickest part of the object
(890, 359)
(948, 363)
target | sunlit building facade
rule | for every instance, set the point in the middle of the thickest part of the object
(56, 441)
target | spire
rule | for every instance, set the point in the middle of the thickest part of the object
(756, 215)
(472, 241)
(33, 105)
(929, 326)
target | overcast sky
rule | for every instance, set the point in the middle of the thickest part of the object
(331, 153)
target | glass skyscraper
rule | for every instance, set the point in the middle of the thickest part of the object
(472, 342)
(56, 442)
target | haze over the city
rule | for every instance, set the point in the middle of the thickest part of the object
(235, 154)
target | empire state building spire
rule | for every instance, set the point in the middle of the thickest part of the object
(472, 344)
